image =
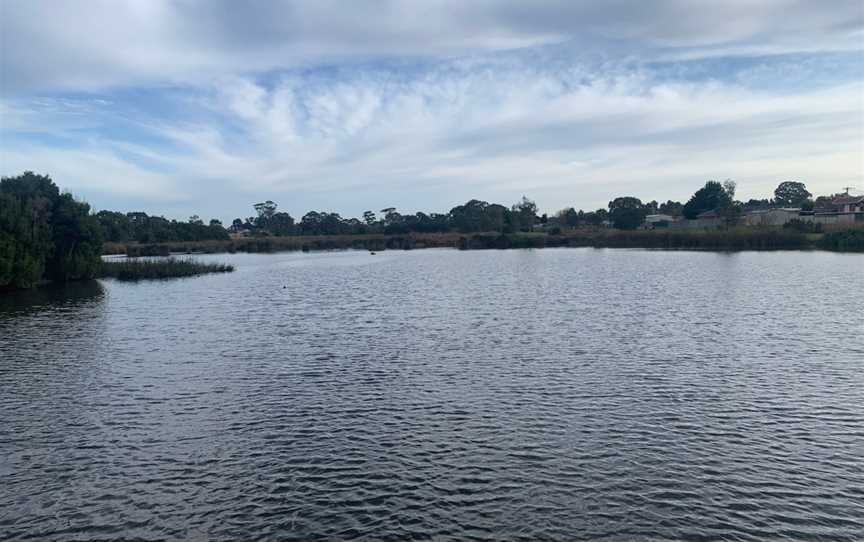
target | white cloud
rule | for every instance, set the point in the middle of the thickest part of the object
(561, 124)
(472, 134)
(49, 45)
(91, 169)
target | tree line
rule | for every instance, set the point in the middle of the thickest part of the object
(626, 213)
(48, 235)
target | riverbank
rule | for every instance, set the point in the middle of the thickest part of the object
(735, 239)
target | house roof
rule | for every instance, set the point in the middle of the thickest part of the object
(846, 200)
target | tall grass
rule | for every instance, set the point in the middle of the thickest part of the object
(726, 239)
(844, 241)
(289, 243)
(158, 269)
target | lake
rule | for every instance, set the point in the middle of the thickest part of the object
(556, 394)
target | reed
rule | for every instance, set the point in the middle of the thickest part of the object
(129, 269)
(851, 240)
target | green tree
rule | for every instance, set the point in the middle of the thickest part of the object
(524, 214)
(713, 196)
(265, 211)
(281, 224)
(77, 240)
(627, 213)
(791, 194)
(43, 234)
(671, 208)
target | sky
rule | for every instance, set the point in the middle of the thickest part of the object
(178, 107)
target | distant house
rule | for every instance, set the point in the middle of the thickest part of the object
(658, 221)
(848, 204)
(708, 220)
(842, 211)
(237, 231)
(771, 217)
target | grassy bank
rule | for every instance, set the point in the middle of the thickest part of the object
(743, 239)
(292, 243)
(158, 269)
(731, 239)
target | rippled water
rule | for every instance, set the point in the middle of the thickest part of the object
(552, 394)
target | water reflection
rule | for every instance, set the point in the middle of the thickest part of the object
(51, 297)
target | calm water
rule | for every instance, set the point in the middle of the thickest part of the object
(552, 394)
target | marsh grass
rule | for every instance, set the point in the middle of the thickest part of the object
(129, 269)
(740, 238)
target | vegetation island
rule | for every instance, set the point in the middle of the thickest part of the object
(46, 235)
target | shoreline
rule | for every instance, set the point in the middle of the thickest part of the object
(761, 239)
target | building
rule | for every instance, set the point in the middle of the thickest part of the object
(709, 220)
(848, 204)
(658, 221)
(772, 217)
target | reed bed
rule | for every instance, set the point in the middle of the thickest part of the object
(129, 269)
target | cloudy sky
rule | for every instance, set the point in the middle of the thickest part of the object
(180, 107)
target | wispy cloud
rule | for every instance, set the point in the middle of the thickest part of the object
(201, 107)
(104, 42)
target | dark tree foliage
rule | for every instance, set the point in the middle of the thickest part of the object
(757, 204)
(711, 197)
(324, 223)
(142, 228)
(567, 218)
(524, 215)
(791, 194)
(671, 208)
(593, 218)
(627, 213)
(44, 234)
(77, 241)
(570, 218)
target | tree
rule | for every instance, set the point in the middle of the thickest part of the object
(791, 194)
(713, 196)
(265, 210)
(729, 187)
(391, 217)
(671, 208)
(196, 220)
(468, 217)
(594, 218)
(525, 214)
(116, 227)
(215, 222)
(756, 204)
(627, 213)
(45, 234)
(652, 207)
(369, 218)
(567, 217)
(281, 224)
(77, 240)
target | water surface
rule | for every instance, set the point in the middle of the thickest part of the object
(528, 395)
